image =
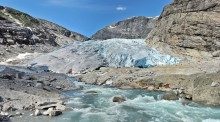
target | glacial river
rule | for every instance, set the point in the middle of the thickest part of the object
(140, 106)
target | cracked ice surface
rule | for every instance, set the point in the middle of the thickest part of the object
(90, 55)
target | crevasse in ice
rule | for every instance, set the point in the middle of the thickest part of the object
(89, 55)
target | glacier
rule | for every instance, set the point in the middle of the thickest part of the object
(87, 56)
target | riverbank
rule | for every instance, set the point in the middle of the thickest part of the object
(200, 80)
(32, 89)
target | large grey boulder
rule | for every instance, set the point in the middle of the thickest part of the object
(131, 28)
(170, 96)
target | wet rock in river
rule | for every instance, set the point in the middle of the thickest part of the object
(4, 118)
(92, 92)
(118, 99)
(55, 113)
(170, 96)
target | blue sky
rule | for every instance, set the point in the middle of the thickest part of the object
(87, 16)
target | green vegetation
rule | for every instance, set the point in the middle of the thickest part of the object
(26, 19)
(2, 15)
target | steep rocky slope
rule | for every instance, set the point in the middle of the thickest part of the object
(188, 28)
(131, 28)
(19, 32)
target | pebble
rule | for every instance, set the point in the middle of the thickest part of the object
(39, 85)
(18, 113)
(215, 84)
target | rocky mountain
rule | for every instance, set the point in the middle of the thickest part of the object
(20, 32)
(131, 28)
(188, 28)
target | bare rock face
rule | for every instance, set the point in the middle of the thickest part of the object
(206, 89)
(21, 28)
(20, 32)
(131, 28)
(188, 28)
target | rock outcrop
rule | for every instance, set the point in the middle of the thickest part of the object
(188, 28)
(131, 28)
(20, 32)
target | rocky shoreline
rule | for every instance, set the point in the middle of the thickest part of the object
(33, 91)
(198, 82)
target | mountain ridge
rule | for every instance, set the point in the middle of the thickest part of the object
(20, 33)
(129, 28)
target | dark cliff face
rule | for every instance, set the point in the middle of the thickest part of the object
(189, 27)
(20, 28)
(135, 27)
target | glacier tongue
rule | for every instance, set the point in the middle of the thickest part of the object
(90, 55)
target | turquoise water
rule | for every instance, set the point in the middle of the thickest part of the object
(140, 106)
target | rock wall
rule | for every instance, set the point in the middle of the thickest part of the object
(188, 28)
(20, 33)
(21, 28)
(132, 28)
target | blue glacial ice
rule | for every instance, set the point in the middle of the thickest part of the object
(90, 55)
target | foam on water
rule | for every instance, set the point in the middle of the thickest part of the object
(140, 106)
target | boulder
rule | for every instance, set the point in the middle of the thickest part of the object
(51, 112)
(47, 112)
(170, 96)
(118, 99)
(7, 107)
(151, 88)
(39, 85)
(58, 87)
(216, 53)
(47, 105)
(188, 96)
(215, 84)
(37, 112)
(4, 118)
(92, 92)
(8, 76)
(1, 99)
(18, 113)
(19, 75)
(55, 113)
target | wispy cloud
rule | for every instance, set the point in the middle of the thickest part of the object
(83, 4)
(121, 8)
